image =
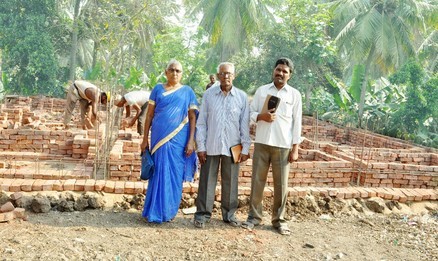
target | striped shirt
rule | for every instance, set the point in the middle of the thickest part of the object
(223, 122)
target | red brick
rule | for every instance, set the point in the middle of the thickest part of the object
(89, 185)
(16, 185)
(393, 193)
(379, 165)
(409, 195)
(38, 185)
(48, 185)
(27, 185)
(425, 178)
(340, 194)
(400, 181)
(402, 197)
(302, 192)
(313, 191)
(335, 175)
(424, 193)
(380, 176)
(305, 165)
(427, 168)
(396, 166)
(371, 192)
(16, 195)
(323, 192)
(119, 187)
(386, 181)
(7, 207)
(292, 192)
(395, 176)
(69, 185)
(420, 195)
(7, 216)
(19, 213)
(79, 185)
(109, 186)
(411, 167)
(129, 187)
(416, 183)
(332, 192)
(355, 191)
(372, 181)
(57, 185)
(6, 183)
(99, 185)
(138, 187)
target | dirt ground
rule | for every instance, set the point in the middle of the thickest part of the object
(408, 233)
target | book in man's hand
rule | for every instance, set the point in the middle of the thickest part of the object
(235, 151)
(271, 103)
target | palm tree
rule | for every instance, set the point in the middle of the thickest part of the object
(229, 23)
(378, 34)
(118, 35)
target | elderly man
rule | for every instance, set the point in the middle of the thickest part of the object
(138, 100)
(277, 138)
(88, 96)
(223, 122)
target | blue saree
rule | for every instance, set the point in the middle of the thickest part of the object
(170, 132)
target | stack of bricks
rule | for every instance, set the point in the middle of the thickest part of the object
(48, 104)
(19, 101)
(80, 147)
(38, 141)
(4, 122)
(125, 160)
(361, 138)
(393, 167)
(14, 116)
(8, 212)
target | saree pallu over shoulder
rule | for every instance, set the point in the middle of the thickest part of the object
(171, 135)
(171, 112)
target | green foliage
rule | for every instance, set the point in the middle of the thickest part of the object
(230, 24)
(356, 81)
(133, 79)
(172, 45)
(28, 53)
(417, 117)
(301, 36)
(94, 73)
(380, 34)
(411, 73)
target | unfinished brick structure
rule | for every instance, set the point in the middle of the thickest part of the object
(36, 153)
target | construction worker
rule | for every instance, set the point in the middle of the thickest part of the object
(138, 100)
(89, 97)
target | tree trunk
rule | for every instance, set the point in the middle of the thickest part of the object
(74, 41)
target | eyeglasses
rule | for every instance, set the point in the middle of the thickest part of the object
(223, 74)
(171, 70)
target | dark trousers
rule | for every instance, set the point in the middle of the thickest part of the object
(207, 187)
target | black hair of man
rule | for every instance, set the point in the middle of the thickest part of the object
(286, 61)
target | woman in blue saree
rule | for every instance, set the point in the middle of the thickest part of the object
(171, 117)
